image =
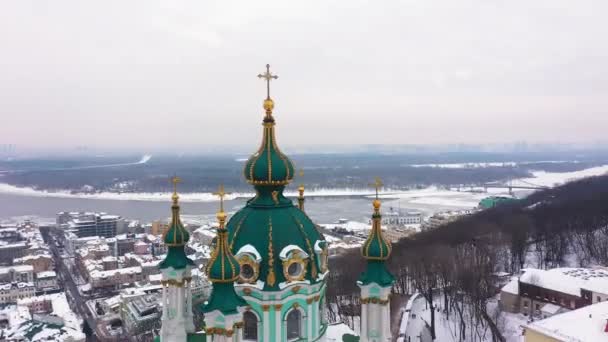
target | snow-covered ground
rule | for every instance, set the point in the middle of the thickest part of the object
(416, 321)
(21, 321)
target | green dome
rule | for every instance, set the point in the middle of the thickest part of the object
(376, 247)
(223, 266)
(270, 222)
(268, 166)
(176, 238)
(176, 235)
(376, 250)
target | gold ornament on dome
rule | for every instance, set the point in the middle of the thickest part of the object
(324, 259)
(295, 258)
(244, 260)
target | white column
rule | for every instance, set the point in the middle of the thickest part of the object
(364, 322)
(266, 324)
(387, 320)
(164, 301)
(309, 321)
(278, 324)
(180, 302)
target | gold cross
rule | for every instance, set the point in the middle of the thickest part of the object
(268, 77)
(175, 180)
(377, 184)
(301, 174)
(221, 194)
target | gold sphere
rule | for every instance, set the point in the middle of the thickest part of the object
(268, 105)
(376, 204)
(221, 215)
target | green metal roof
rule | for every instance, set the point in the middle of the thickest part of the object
(270, 222)
(376, 247)
(376, 272)
(268, 166)
(176, 238)
(176, 258)
(176, 234)
(224, 298)
(223, 266)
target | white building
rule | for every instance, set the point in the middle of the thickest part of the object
(10, 293)
(46, 280)
(17, 273)
(588, 324)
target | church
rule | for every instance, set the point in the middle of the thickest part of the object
(269, 265)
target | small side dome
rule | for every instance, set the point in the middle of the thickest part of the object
(177, 235)
(376, 247)
(223, 266)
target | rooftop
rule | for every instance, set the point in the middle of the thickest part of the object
(568, 280)
(586, 324)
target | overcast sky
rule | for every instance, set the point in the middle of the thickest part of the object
(183, 73)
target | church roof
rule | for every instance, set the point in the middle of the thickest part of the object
(224, 298)
(223, 266)
(376, 250)
(176, 238)
(223, 270)
(376, 247)
(270, 222)
(376, 272)
(268, 166)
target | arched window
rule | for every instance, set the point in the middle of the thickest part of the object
(294, 325)
(250, 326)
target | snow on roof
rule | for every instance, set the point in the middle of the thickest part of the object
(46, 274)
(17, 268)
(550, 308)
(292, 248)
(251, 250)
(61, 308)
(335, 332)
(103, 274)
(350, 226)
(586, 324)
(205, 231)
(568, 280)
(512, 286)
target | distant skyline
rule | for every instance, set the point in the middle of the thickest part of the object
(115, 75)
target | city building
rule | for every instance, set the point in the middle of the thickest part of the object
(46, 281)
(115, 278)
(493, 201)
(587, 324)
(140, 314)
(85, 224)
(10, 252)
(567, 288)
(11, 292)
(17, 273)
(40, 262)
(159, 228)
(401, 217)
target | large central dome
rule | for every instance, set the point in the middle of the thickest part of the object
(279, 239)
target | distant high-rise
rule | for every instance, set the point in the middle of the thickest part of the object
(85, 224)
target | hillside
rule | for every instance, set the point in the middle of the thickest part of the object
(551, 228)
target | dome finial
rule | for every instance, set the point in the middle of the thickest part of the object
(268, 103)
(377, 184)
(301, 191)
(175, 180)
(221, 215)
